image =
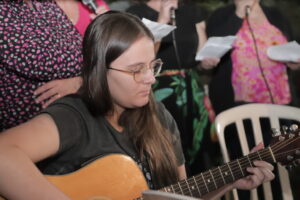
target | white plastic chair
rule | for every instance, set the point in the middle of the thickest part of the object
(254, 112)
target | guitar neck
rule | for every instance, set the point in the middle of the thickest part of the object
(215, 178)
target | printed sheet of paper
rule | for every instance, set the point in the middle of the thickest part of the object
(289, 52)
(158, 30)
(215, 47)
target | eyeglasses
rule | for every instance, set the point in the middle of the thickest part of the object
(141, 69)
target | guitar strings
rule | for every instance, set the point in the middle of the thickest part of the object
(278, 146)
(204, 186)
(215, 179)
(218, 178)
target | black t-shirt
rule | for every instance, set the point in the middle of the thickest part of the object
(84, 138)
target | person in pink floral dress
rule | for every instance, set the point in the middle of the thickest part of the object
(38, 45)
(246, 74)
(58, 43)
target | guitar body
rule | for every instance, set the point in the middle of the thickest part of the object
(117, 176)
(114, 176)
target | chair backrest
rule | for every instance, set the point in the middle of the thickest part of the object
(254, 112)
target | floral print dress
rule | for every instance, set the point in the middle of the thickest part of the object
(37, 45)
(247, 79)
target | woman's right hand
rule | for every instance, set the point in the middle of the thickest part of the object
(100, 10)
(294, 65)
(240, 6)
(164, 16)
(209, 63)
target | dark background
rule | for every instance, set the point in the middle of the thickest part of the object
(290, 8)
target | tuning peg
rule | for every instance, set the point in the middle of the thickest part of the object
(290, 158)
(281, 138)
(294, 128)
(296, 163)
(275, 132)
(285, 129)
(289, 167)
(291, 135)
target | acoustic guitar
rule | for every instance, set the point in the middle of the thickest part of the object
(117, 176)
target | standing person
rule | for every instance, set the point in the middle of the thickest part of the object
(114, 112)
(79, 14)
(246, 74)
(179, 86)
(38, 45)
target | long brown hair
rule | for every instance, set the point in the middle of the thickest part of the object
(107, 38)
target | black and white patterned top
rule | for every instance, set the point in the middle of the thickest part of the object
(37, 45)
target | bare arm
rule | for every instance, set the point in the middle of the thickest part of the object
(200, 27)
(182, 172)
(206, 63)
(20, 147)
(100, 10)
(164, 16)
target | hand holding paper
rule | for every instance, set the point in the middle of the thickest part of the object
(289, 52)
(294, 65)
(215, 47)
(209, 63)
(158, 30)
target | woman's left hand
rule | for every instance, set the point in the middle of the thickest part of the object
(261, 173)
(209, 63)
(55, 89)
(100, 10)
(294, 65)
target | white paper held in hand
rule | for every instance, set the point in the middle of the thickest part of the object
(215, 47)
(158, 30)
(289, 52)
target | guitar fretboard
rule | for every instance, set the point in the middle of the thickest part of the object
(215, 178)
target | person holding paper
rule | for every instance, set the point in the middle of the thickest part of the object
(114, 113)
(246, 74)
(179, 86)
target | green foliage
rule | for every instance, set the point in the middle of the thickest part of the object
(163, 93)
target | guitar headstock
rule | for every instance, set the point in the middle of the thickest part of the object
(286, 145)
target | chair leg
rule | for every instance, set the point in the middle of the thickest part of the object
(267, 191)
(285, 183)
(235, 195)
(253, 194)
